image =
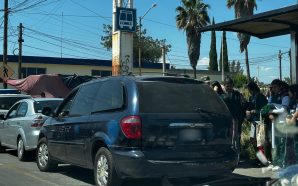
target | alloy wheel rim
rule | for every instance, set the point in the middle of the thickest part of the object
(102, 171)
(20, 148)
(43, 155)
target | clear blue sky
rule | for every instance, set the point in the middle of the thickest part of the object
(81, 29)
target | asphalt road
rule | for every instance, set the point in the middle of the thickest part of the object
(16, 173)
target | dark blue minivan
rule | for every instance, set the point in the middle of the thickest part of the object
(141, 127)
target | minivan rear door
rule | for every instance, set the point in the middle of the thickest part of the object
(183, 120)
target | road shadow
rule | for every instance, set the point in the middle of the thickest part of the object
(86, 175)
(78, 173)
(30, 155)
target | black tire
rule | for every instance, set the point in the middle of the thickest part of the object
(22, 153)
(104, 161)
(44, 161)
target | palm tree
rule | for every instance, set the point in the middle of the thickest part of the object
(243, 8)
(192, 16)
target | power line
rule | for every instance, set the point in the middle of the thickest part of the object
(59, 15)
(103, 17)
(73, 50)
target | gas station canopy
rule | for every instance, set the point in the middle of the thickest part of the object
(264, 25)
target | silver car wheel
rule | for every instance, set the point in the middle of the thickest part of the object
(20, 148)
(43, 155)
(102, 171)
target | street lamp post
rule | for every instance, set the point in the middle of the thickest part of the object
(140, 32)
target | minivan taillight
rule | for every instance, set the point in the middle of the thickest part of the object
(131, 127)
(37, 122)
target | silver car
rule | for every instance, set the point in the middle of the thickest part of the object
(21, 125)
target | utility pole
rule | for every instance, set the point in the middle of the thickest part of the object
(164, 60)
(291, 78)
(140, 31)
(20, 40)
(279, 57)
(222, 61)
(5, 37)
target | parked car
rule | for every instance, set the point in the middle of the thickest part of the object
(138, 127)
(7, 100)
(20, 128)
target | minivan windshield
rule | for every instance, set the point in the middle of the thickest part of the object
(169, 97)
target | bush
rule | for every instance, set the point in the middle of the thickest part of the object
(247, 149)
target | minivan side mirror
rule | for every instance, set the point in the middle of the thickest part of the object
(63, 114)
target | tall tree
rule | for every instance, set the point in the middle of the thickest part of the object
(213, 53)
(192, 15)
(243, 8)
(151, 48)
(224, 53)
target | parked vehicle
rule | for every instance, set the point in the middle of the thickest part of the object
(137, 127)
(20, 128)
(8, 99)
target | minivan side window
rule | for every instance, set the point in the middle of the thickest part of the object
(109, 97)
(64, 110)
(84, 100)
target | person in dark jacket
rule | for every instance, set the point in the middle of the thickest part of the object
(256, 102)
(235, 102)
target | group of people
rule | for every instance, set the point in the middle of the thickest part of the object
(273, 118)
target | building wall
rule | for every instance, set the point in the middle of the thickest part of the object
(71, 69)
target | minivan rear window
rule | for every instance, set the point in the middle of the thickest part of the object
(165, 97)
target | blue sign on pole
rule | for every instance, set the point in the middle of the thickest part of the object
(126, 19)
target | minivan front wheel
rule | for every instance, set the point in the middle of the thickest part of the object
(104, 170)
(21, 150)
(44, 161)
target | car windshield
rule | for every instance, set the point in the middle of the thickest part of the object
(169, 97)
(39, 105)
(7, 102)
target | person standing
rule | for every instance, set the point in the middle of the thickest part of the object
(292, 127)
(236, 104)
(256, 102)
(280, 99)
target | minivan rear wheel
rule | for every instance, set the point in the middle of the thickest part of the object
(104, 169)
(45, 163)
(22, 154)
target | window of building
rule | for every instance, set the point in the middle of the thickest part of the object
(101, 73)
(27, 71)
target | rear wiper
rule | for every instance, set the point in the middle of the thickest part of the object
(200, 110)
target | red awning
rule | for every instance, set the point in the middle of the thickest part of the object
(34, 85)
